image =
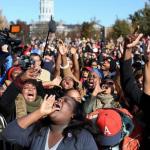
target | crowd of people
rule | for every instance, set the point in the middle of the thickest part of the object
(79, 94)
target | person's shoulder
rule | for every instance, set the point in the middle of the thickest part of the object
(45, 71)
(85, 134)
(87, 140)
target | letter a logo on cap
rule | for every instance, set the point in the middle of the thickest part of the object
(106, 131)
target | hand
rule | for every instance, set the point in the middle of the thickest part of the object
(51, 84)
(31, 73)
(62, 48)
(47, 106)
(135, 42)
(56, 81)
(97, 88)
(73, 50)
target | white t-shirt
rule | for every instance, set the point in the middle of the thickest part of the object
(55, 146)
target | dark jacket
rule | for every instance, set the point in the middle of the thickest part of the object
(136, 96)
(129, 83)
(35, 141)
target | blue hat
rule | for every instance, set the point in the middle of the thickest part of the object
(37, 51)
(98, 72)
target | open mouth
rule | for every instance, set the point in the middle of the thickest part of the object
(30, 95)
(91, 83)
(56, 105)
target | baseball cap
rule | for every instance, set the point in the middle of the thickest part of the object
(98, 72)
(109, 123)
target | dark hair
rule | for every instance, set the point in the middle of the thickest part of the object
(32, 81)
(77, 123)
(35, 54)
(75, 84)
(109, 83)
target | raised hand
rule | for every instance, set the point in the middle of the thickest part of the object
(135, 42)
(31, 73)
(62, 48)
(50, 84)
(47, 106)
(97, 88)
(56, 81)
(73, 50)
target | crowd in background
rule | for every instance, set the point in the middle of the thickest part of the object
(76, 94)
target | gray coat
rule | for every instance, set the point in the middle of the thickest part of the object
(15, 134)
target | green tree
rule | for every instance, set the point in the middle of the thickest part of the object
(3, 21)
(141, 18)
(120, 28)
(90, 30)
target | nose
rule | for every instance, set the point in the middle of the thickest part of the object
(30, 89)
(59, 100)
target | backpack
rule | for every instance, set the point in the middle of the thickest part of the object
(3, 123)
(132, 129)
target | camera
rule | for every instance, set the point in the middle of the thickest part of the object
(25, 62)
(6, 39)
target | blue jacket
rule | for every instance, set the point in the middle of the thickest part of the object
(7, 64)
(15, 134)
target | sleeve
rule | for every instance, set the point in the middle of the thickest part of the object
(8, 63)
(128, 82)
(87, 141)
(7, 101)
(14, 134)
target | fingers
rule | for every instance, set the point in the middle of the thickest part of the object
(48, 104)
(45, 97)
(32, 73)
(49, 99)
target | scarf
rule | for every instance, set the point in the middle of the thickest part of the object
(32, 106)
(103, 101)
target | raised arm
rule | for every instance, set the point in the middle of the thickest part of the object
(58, 63)
(65, 64)
(127, 78)
(45, 109)
(147, 72)
(75, 63)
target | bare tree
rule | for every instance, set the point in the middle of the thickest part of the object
(3, 21)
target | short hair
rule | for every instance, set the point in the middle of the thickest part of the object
(35, 54)
(32, 81)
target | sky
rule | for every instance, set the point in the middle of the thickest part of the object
(72, 11)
